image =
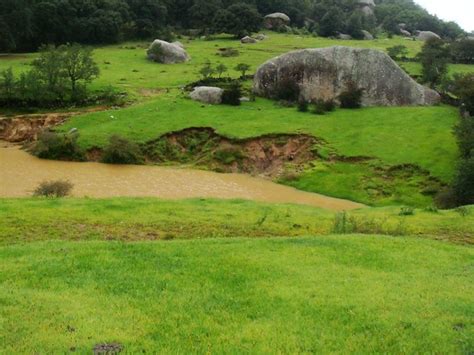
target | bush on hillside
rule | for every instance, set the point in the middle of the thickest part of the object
(51, 145)
(122, 151)
(351, 97)
(303, 105)
(232, 94)
(53, 189)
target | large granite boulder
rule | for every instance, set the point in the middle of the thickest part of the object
(325, 73)
(167, 53)
(276, 21)
(426, 35)
(207, 94)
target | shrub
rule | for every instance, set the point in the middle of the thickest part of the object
(406, 211)
(53, 189)
(228, 156)
(232, 95)
(51, 145)
(122, 151)
(320, 107)
(351, 97)
(303, 106)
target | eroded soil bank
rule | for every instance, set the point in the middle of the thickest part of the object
(20, 173)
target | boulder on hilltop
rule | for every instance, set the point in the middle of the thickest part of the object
(325, 73)
(426, 35)
(276, 21)
(167, 53)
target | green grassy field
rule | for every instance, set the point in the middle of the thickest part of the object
(131, 219)
(314, 294)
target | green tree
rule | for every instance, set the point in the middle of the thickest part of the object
(434, 58)
(398, 52)
(239, 20)
(49, 66)
(207, 71)
(354, 25)
(242, 68)
(221, 69)
(332, 22)
(79, 66)
(7, 83)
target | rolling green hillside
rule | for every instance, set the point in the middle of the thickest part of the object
(387, 138)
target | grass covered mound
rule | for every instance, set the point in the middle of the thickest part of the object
(325, 294)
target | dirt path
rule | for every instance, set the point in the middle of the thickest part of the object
(20, 173)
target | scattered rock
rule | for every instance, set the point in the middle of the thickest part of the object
(244, 99)
(112, 348)
(344, 36)
(405, 33)
(207, 94)
(167, 53)
(367, 35)
(325, 72)
(248, 39)
(276, 21)
(426, 35)
(260, 37)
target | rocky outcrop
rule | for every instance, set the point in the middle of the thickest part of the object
(344, 36)
(325, 73)
(405, 33)
(426, 35)
(367, 35)
(207, 94)
(167, 53)
(366, 7)
(247, 40)
(276, 21)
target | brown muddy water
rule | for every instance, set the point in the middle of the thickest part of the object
(20, 174)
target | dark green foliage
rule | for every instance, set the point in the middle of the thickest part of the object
(56, 146)
(303, 106)
(27, 24)
(53, 189)
(58, 76)
(434, 58)
(239, 19)
(242, 68)
(320, 107)
(463, 51)
(406, 211)
(122, 151)
(351, 97)
(398, 52)
(232, 94)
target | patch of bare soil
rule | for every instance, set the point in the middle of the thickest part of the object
(112, 348)
(267, 155)
(26, 128)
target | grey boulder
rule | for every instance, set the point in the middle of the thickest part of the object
(167, 53)
(247, 40)
(326, 72)
(276, 21)
(426, 35)
(367, 35)
(207, 94)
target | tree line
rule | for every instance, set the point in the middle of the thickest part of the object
(27, 24)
